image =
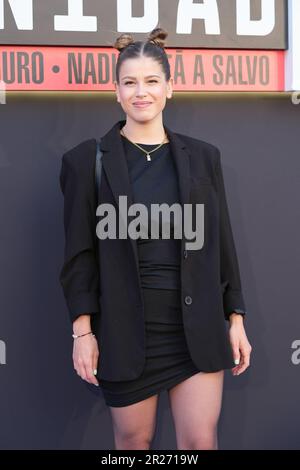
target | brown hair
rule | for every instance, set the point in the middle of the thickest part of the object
(153, 47)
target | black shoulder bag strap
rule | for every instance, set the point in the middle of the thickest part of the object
(98, 170)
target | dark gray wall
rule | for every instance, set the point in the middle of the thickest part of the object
(44, 404)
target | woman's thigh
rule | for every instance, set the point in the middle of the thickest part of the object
(136, 421)
(195, 406)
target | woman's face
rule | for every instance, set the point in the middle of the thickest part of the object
(142, 80)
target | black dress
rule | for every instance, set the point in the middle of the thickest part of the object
(168, 361)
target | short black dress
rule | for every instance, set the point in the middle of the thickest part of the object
(168, 361)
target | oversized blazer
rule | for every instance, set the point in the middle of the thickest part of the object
(101, 277)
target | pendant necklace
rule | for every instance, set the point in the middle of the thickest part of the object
(146, 152)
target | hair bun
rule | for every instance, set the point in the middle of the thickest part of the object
(158, 36)
(123, 41)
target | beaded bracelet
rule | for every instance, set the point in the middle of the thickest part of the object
(79, 336)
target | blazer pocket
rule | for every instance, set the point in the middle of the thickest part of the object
(223, 286)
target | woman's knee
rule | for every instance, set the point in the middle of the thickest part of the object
(205, 441)
(133, 441)
(134, 425)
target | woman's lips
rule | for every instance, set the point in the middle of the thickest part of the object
(142, 105)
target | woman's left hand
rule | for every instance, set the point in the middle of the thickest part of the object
(240, 345)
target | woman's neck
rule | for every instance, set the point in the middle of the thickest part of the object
(144, 133)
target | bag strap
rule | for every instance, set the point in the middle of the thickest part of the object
(98, 170)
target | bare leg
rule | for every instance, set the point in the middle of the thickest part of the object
(134, 425)
(196, 405)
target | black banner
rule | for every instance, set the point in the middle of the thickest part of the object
(245, 24)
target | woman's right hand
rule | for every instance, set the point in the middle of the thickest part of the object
(85, 358)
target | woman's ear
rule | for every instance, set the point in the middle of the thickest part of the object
(170, 88)
(117, 91)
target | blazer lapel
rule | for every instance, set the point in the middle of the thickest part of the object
(181, 156)
(115, 166)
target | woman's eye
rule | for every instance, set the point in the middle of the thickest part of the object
(128, 83)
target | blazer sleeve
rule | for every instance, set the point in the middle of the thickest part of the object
(79, 275)
(233, 300)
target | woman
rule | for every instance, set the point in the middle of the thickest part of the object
(153, 307)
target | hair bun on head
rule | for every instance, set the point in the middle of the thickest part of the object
(151, 47)
(123, 41)
(158, 36)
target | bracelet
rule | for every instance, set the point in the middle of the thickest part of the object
(79, 336)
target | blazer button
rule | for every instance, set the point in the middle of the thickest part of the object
(188, 300)
(185, 253)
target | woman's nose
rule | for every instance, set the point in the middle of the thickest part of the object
(140, 90)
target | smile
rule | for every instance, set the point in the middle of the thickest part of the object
(141, 105)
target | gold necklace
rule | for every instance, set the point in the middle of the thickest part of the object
(141, 148)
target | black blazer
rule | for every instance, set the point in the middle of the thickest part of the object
(101, 277)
